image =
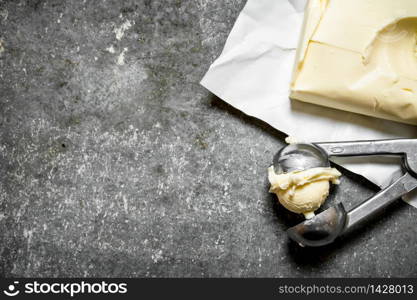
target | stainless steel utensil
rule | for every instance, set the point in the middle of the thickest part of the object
(325, 227)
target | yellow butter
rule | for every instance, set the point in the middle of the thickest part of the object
(360, 56)
(305, 191)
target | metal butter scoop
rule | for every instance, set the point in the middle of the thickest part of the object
(325, 227)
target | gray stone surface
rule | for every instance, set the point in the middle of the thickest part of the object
(115, 162)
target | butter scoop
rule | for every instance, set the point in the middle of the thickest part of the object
(303, 192)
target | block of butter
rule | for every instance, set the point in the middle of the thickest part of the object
(359, 56)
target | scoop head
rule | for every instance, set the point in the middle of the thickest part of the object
(300, 157)
(321, 230)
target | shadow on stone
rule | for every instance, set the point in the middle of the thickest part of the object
(251, 121)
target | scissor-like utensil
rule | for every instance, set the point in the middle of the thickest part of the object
(325, 227)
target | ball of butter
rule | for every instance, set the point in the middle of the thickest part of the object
(303, 192)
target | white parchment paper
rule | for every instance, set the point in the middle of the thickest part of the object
(253, 74)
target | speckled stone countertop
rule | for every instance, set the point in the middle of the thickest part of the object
(114, 161)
